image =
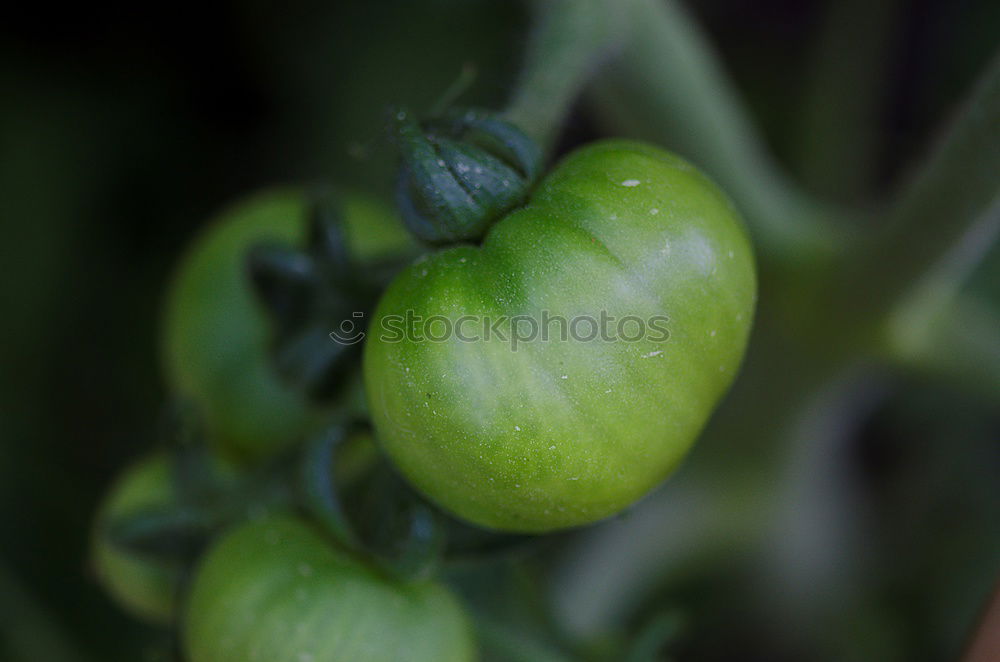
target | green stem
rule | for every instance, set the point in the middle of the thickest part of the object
(666, 86)
(956, 191)
(909, 329)
(660, 632)
(838, 121)
(506, 643)
(959, 342)
(568, 39)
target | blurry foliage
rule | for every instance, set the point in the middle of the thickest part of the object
(121, 131)
(928, 52)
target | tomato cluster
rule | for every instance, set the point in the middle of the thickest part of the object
(509, 432)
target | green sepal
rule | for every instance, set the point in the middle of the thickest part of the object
(309, 291)
(318, 490)
(461, 172)
(399, 533)
(283, 279)
(168, 533)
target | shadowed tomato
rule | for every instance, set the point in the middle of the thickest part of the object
(276, 590)
(216, 332)
(145, 586)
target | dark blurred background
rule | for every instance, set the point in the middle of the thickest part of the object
(124, 127)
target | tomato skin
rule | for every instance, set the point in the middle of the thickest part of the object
(560, 434)
(275, 590)
(145, 587)
(216, 333)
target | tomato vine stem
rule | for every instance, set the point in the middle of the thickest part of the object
(957, 339)
(837, 123)
(955, 191)
(569, 38)
(666, 86)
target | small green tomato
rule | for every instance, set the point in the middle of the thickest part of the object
(276, 590)
(217, 334)
(144, 586)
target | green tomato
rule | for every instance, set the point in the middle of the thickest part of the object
(275, 590)
(146, 587)
(561, 431)
(216, 333)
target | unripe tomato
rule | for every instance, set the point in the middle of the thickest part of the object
(145, 586)
(275, 590)
(546, 433)
(216, 333)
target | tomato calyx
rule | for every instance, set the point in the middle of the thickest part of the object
(407, 537)
(310, 290)
(166, 533)
(177, 531)
(460, 171)
(363, 508)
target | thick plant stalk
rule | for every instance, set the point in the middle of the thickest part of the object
(837, 123)
(568, 39)
(939, 330)
(955, 190)
(613, 566)
(514, 646)
(959, 342)
(666, 86)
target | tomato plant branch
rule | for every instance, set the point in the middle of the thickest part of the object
(955, 190)
(510, 644)
(666, 86)
(936, 328)
(959, 342)
(568, 39)
(837, 121)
